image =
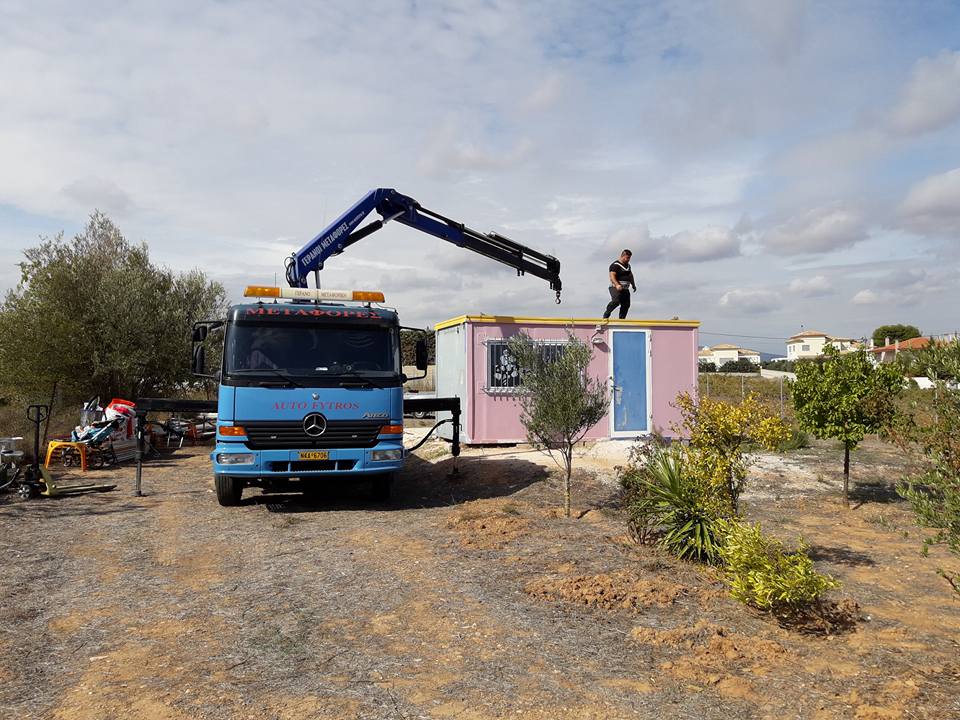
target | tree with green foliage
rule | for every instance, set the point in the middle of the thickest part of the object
(894, 333)
(940, 361)
(685, 490)
(929, 429)
(94, 315)
(408, 343)
(559, 400)
(845, 396)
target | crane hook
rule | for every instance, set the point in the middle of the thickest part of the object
(558, 297)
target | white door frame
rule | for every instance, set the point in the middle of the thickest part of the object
(649, 389)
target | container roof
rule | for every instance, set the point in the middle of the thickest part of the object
(518, 320)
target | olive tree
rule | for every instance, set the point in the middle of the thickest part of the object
(94, 315)
(844, 396)
(928, 427)
(559, 400)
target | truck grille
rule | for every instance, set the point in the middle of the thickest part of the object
(289, 435)
(312, 465)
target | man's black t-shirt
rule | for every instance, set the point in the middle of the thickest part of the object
(623, 272)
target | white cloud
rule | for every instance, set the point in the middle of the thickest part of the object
(931, 99)
(228, 134)
(750, 302)
(687, 246)
(932, 206)
(546, 95)
(95, 192)
(637, 239)
(815, 286)
(779, 26)
(905, 286)
(820, 230)
(709, 243)
(866, 297)
(452, 151)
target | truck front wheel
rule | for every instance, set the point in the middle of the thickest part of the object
(229, 490)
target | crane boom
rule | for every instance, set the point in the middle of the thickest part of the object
(391, 205)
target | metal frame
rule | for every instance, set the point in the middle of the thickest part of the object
(492, 389)
(649, 385)
(391, 205)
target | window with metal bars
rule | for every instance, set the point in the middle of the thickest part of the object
(503, 374)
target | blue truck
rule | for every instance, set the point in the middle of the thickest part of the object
(311, 380)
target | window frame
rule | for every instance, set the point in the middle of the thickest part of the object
(488, 343)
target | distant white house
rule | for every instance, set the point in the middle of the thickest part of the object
(719, 355)
(810, 343)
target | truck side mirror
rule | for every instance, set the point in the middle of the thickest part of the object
(200, 333)
(198, 364)
(420, 354)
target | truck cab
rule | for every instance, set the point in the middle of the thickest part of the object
(309, 391)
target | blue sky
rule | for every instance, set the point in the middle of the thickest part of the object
(773, 165)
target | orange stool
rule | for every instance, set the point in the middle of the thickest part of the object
(56, 448)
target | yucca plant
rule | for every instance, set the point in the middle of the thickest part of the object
(675, 503)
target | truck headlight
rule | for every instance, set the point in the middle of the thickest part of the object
(381, 455)
(235, 458)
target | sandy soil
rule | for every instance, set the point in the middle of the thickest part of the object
(467, 596)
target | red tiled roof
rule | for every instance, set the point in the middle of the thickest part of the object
(911, 344)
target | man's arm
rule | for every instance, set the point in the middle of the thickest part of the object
(613, 279)
(633, 283)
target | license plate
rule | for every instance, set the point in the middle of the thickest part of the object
(318, 455)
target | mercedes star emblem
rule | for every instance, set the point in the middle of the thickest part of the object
(314, 424)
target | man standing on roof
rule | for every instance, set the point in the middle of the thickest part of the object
(621, 278)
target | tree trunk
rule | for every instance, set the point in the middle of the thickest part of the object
(568, 456)
(846, 475)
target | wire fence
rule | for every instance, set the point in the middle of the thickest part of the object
(773, 393)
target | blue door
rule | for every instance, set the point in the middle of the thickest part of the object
(629, 381)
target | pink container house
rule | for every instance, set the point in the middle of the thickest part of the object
(647, 363)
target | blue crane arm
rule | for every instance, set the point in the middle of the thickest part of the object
(391, 205)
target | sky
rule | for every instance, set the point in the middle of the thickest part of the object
(775, 166)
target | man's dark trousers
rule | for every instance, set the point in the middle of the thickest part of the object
(619, 297)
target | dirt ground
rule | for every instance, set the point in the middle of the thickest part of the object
(467, 596)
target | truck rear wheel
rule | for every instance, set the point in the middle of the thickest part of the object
(229, 490)
(381, 487)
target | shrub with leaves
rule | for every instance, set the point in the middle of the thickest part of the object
(797, 440)
(929, 428)
(763, 573)
(845, 396)
(662, 495)
(559, 400)
(720, 434)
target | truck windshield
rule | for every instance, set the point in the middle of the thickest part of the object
(311, 350)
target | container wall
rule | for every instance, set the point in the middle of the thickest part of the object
(674, 371)
(496, 412)
(451, 376)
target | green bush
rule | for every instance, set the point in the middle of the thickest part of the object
(661, 495)
(739, 366)
(797, 441)
(762, 573)
(780, 365)
(706, 366)
(929, 429)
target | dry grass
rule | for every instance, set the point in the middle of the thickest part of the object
(330, 606)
